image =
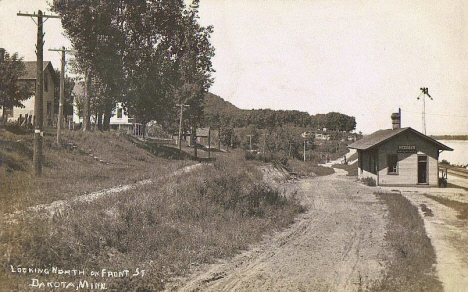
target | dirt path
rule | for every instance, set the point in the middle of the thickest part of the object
(59, 205)
(335, 246)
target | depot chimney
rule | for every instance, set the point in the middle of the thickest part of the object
(396, 120)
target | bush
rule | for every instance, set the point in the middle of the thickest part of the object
(369, 181)
(250, 155)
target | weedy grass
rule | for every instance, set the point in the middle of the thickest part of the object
(460, 207)
(411, 265)
(165, 228)
(351, 169)
(308, 168)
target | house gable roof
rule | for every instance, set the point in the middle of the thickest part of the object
(377, 138)
(30, 73)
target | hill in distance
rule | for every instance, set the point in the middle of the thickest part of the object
(218, 110)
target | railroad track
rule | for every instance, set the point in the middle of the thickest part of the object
(459, 172)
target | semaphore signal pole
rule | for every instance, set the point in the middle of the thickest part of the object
(39, 95)
(424, 92)
(62, 94)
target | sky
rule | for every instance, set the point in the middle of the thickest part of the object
(363, 58)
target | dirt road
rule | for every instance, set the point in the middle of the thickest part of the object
(335, 246)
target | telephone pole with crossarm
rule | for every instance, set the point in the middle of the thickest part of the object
(62, 94)
(39, 95)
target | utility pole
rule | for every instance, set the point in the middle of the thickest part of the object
(182, 105)
(87, 100)
(2, 59)
(209, 142)
(194, 139)
(62, 94)
(424, 92)
(219, 137)
(39, 95)
(304, 150)
(264, 142)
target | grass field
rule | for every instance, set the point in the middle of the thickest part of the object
(165, 228)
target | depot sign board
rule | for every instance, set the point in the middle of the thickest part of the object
(407, 149)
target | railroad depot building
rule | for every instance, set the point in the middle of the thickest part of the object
(399, 156)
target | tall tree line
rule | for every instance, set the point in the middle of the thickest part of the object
(148, 54)
(220, 112)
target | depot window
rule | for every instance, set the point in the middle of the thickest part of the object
(392, 164)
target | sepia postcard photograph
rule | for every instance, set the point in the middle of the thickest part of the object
(234, 145)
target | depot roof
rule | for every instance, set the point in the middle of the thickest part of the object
(377, 138)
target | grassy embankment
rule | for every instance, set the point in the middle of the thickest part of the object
(86, 162)
(164, 228)
(308, 168)
(410, 267)
(351, 169)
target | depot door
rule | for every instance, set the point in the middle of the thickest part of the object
(422, 169)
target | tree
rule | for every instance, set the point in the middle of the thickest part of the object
(68, 100)
(12, 92)
(95, 31)
(141, 53)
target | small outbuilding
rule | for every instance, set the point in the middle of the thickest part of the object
(399, 156)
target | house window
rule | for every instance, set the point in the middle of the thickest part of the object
(9, 112)
(119, 113)
(49, 108)
(392, 163)
(46, 82)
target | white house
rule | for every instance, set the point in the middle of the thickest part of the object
(29, 78)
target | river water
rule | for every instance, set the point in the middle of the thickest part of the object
(459, 155)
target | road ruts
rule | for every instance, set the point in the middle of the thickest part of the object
(337, 245)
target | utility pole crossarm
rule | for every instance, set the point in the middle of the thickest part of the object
(62, 50)
(37, 15)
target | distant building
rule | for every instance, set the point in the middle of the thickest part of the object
(204, 135)
(29, 78)
(399, 156)
(322, 136)
(120, 119)
(352, 137)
